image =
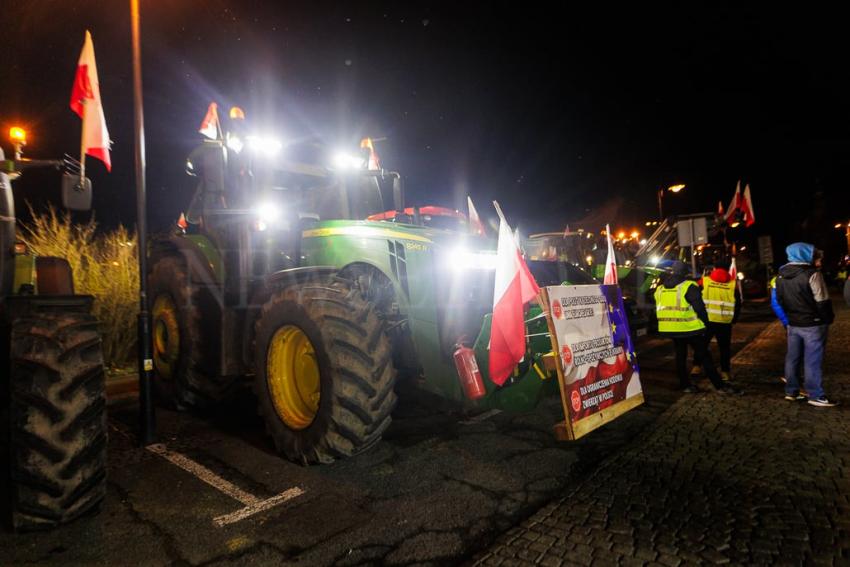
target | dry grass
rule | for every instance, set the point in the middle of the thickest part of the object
(105, 265)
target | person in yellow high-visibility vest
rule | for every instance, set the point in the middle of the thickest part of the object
(682, 317)
(723, 304)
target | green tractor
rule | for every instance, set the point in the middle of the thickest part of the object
(52, 399)
(316, 281)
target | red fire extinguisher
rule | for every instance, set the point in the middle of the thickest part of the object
(468, 372)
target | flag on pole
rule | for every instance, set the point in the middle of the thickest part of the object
(515, 286)
(733, 269)
(566, 230)
(374, 162)
(210, 125)
(181, 222)
(720, 209)
(474, 220)
(747, 207)
(733, 205)
(85, 101)
(744, 204)
(611, 261)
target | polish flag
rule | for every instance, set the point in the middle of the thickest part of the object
(733, 269)
(733, 206)
(515, 286)
(374, 162)
(210, 126)
(85, 101)
(611, 262)
(746, 206)
(474, 220)
(743, 203)
(720, 209)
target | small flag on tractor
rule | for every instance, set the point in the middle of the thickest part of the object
(515, 286)
(611, 261)
(741, 208)
(85, 101)
(181, 222)
(374, 163)
(475, 223)
(210, 126)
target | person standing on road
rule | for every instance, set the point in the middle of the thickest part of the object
(682, 317)
(801, 291)
(723, 304)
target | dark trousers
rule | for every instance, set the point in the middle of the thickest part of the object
(723, 332)
(700, 346)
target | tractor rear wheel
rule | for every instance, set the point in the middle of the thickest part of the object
(324, 374)
(55, 419)
(185, 337)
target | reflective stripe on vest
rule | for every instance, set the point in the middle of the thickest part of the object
(719, 299)
(674, 313)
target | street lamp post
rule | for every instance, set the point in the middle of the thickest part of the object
(672, 189)
(147, 427)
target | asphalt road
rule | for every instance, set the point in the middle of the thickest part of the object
(440, 487)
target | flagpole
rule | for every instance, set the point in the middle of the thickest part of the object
(83, 146)
(147, 418)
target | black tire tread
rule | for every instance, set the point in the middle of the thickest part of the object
(362, 375)
(196, 382)
(57, 419)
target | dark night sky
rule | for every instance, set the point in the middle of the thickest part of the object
(551, 112)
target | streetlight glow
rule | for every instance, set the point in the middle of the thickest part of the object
(676, 188)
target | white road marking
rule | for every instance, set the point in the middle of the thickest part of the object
(258, 507)
(253, 505)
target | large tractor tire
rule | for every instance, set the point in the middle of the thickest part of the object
(55, 419)
(185, 337)
(324, 375)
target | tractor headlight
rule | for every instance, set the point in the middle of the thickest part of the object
(266, 146)
(463, 259)
(347, 161)
(267, 214)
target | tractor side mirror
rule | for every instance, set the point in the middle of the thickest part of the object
(76, 194)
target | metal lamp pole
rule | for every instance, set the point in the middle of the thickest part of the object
(147, 418)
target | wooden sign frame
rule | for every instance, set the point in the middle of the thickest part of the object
(566, 430)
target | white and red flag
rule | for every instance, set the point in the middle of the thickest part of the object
(611, 261)
(210, 126)
(374, 162)
(474, 220)
(85, 101)
(747, 207)
(515, 286)
(744, 204)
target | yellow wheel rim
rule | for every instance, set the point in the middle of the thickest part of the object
(166, 336)
(292, 374)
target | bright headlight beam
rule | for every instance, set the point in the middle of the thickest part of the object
(463, 259)
(268, 213)
(264, 145)
(343, 160)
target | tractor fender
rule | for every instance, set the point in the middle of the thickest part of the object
(192, 255)
(272, 283)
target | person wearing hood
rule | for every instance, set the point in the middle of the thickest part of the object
(682, 316)
(723, 304)
(801, 291)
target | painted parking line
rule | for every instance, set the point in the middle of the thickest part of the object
(253, 505)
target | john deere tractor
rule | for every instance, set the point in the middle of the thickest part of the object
(52, 396)
(280, 275)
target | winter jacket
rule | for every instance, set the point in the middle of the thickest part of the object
(774, 303)
(692, 296)
(722, 276)
(801, 289)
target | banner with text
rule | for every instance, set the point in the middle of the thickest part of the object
(600, 372)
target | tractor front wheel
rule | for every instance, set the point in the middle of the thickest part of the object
(184, 337)
(324, 374)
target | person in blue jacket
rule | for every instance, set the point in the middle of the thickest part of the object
(802, 293)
